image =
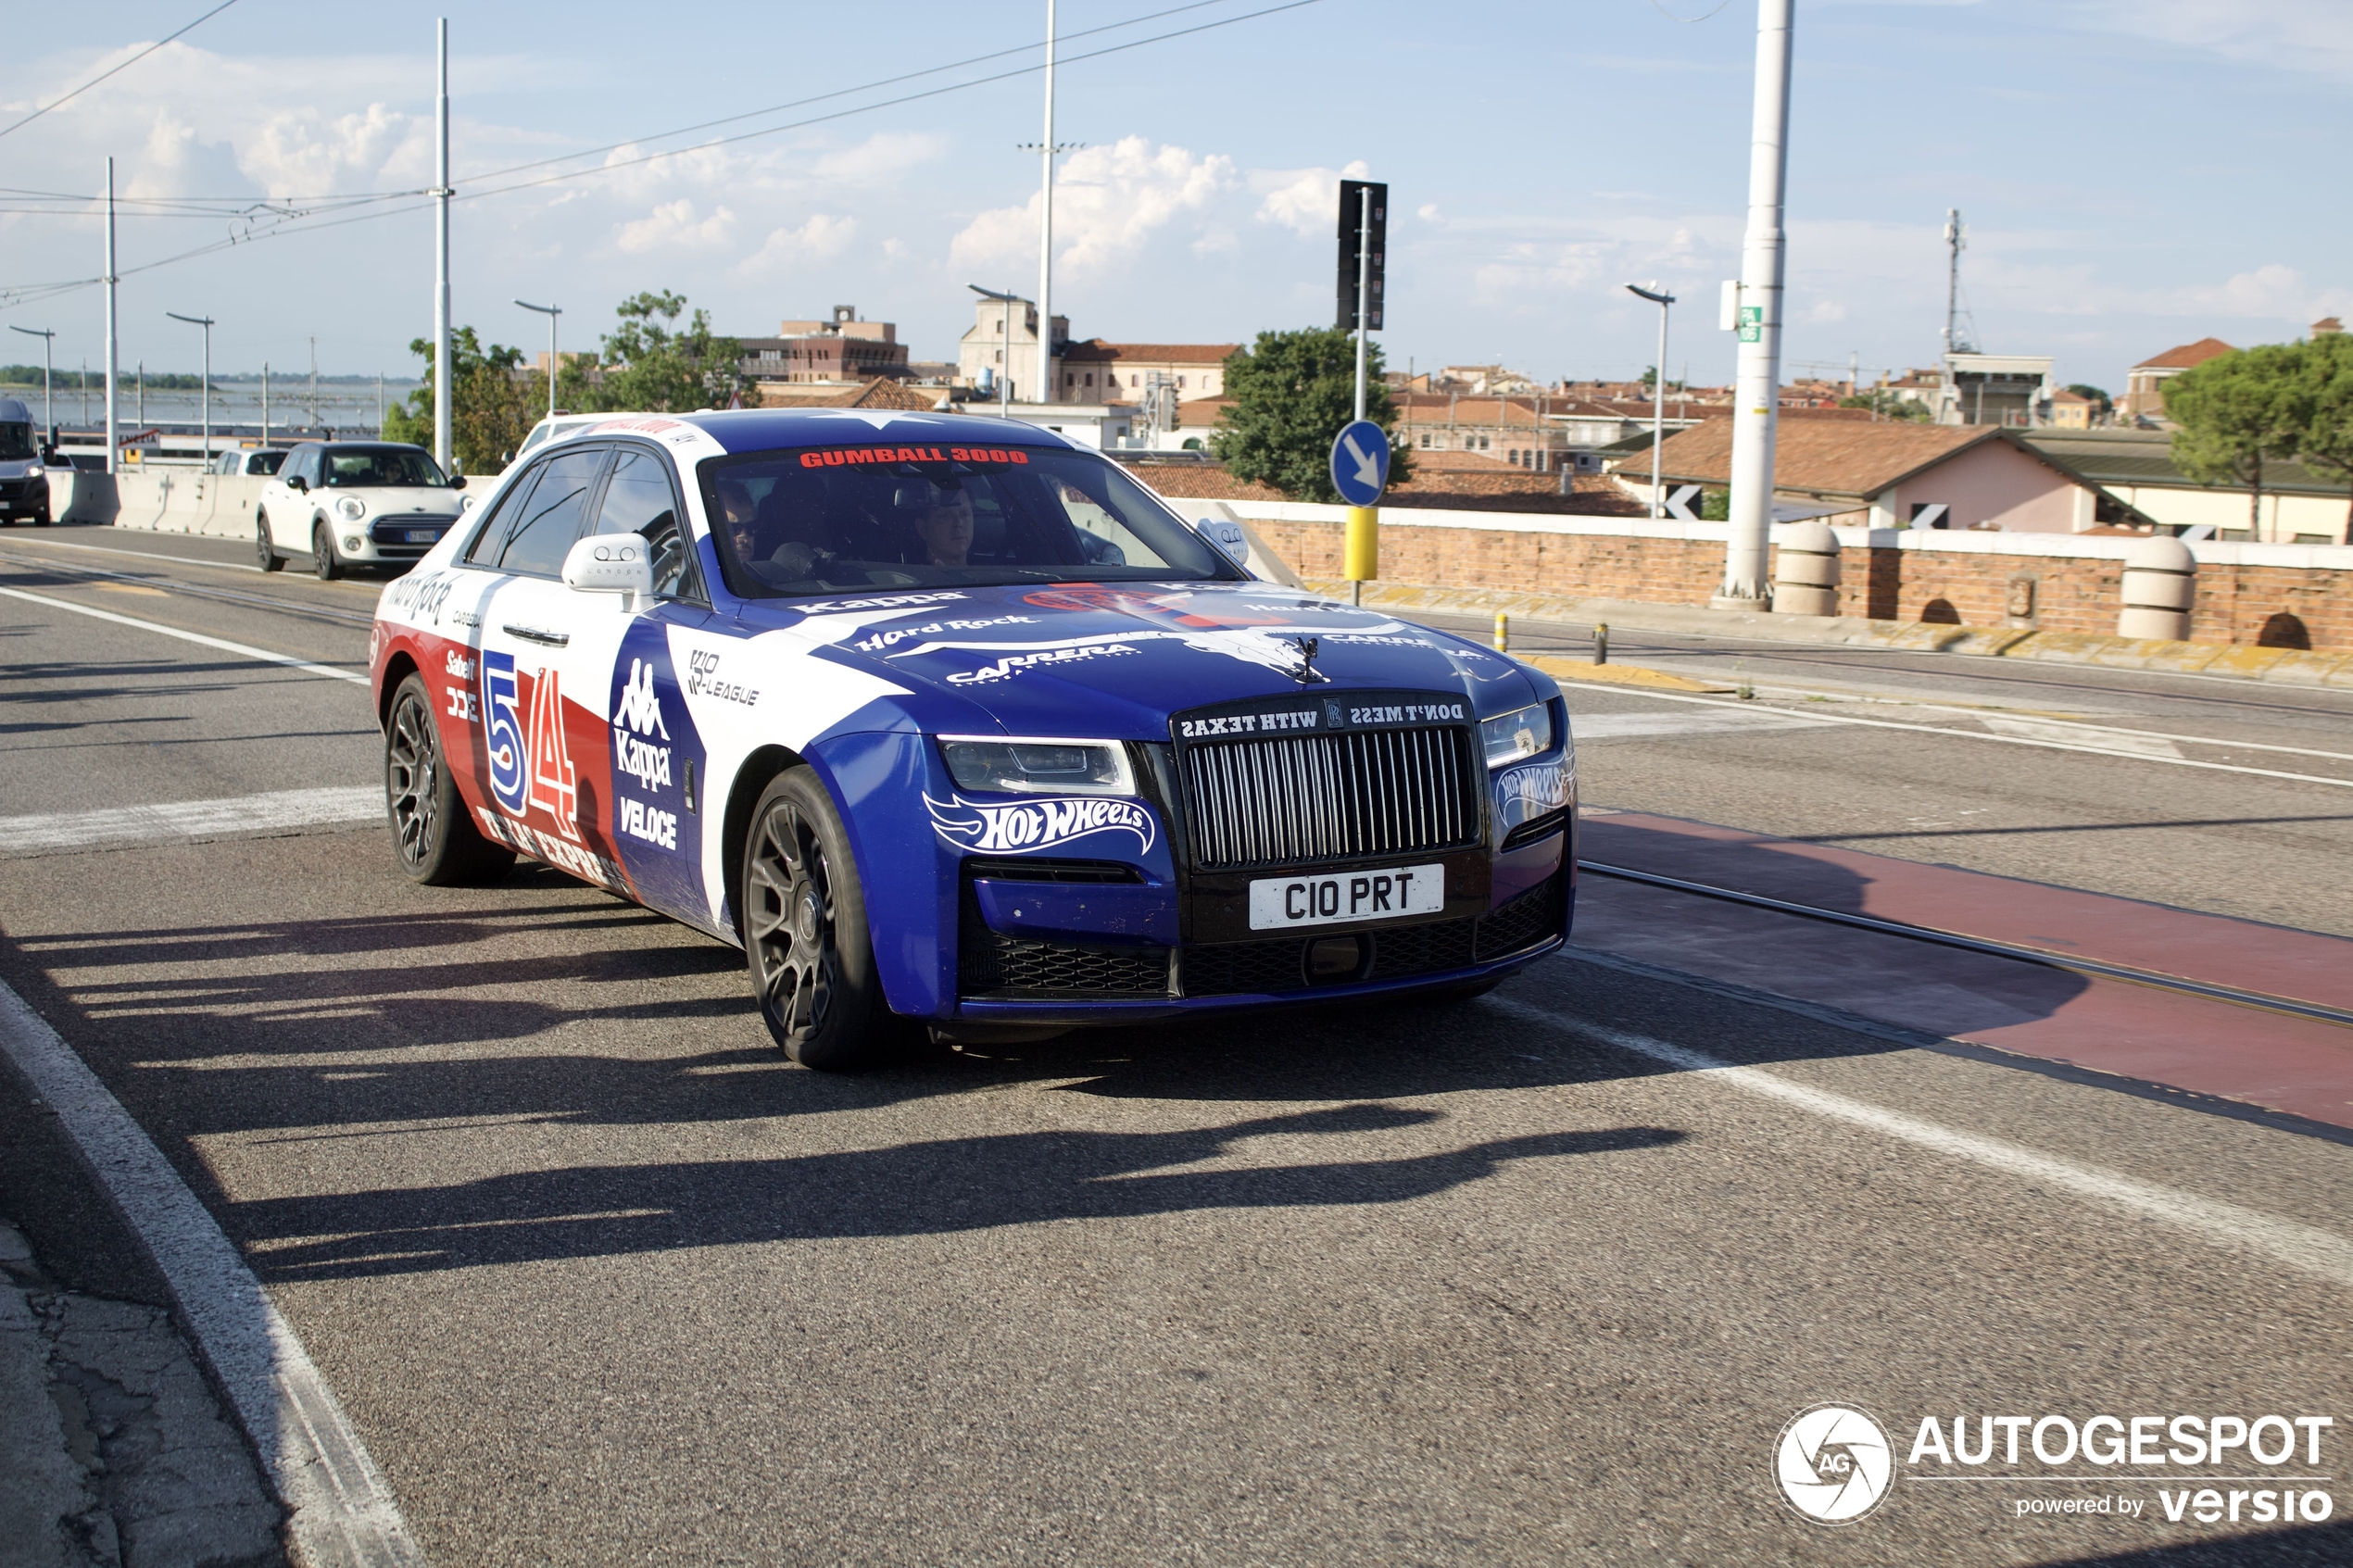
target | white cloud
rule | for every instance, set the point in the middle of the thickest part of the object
(821, 238)
(1824, 312)
(880, 159)
(673, 226)
(302, 152)
(1305, 201)
(2315, 36)
(1108, 201)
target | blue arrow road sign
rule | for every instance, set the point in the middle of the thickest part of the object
(1360, 463)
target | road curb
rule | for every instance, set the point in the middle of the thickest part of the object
(2294, 667)
(340, 1511)
(1615, 674)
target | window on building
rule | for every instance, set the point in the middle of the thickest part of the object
(1090, 377)
(1135, 380)
(1180, 381)
(1482, 444)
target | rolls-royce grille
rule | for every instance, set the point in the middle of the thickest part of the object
(1298, 800)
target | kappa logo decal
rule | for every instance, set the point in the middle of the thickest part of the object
(1029, 826)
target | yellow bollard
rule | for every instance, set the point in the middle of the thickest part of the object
(1503, 632)
(1362, 554)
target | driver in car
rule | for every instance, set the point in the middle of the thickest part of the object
(945, 526)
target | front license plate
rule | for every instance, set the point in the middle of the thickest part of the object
(1348, 898)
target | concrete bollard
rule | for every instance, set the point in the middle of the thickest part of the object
(1503, 632)
(1805, 571)
(2160, 586)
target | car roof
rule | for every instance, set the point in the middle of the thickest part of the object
(760, 429)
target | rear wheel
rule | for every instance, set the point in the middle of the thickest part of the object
(438, 843)
(264, 551)
(323, 559)
(805, 935)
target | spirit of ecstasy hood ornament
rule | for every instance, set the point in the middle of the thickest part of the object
(1307, 674)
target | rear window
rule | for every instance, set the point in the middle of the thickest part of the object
(835, 519)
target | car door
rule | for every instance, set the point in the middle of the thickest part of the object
(288, 510)
(540, 656)
(653, 802)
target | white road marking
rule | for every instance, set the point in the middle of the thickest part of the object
(340, 1508)
(1576, 726)
(2317, 1252)
(187, 820)
(244, 650)
(139, 555)
(2139, 743)
(1630, 727)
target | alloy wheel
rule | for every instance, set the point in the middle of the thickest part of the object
(412, 769)
(791, 926)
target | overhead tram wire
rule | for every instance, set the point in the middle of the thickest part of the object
(304, 225)
(123, 67)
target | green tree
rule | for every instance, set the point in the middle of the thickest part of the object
(1887, 405)
(2238, 409)
(493, 404)
(2101, 401)
(2327, 444)
(654, 367)
(1292, 393)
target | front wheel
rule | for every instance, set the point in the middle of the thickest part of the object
(265, 551)
(438, 842)
(805, 933)
(323, 559)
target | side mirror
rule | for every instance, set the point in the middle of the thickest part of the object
(296, 481)
(457, 482)
(1229, 539)
(611, 563)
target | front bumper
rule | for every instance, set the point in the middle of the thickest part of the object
(389, 539)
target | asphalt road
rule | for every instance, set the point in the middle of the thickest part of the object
(601, 1278)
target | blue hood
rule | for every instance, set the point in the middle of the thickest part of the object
(1115, 660)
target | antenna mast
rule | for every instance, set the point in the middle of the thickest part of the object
(1956, 241)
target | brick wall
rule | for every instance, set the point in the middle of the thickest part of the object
(2235, 604)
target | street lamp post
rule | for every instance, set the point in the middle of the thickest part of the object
(48, 341)
(1661, 298)
(205, 402)
(551, 312)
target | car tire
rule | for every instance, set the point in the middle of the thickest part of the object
(265, 551)
(323, 559)
(806, 942)
(434, 836)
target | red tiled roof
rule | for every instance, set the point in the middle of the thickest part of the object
(2183, 356)
(1095, 351)
(1829, 456)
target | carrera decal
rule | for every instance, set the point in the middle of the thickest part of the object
(1029, 826)
(1523, 794)
(1013, 664)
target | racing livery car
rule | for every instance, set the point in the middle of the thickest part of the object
(944, 719)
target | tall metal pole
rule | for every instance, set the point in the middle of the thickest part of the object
(1005, 382)
(1756, 386)
(1046, 235)
(441, 261)
(205, 403)
(265, 401)
(1952, 243)
(1659, 411)
(1363, 284)
(113, 345)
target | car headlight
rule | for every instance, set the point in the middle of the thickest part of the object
(1038, 767)
(1522, 733)
(351, 506)
(35, 471)
(465, 502)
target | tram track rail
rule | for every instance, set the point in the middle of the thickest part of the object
(2044, 958)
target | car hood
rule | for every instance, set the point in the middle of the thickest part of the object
(399, 502)
(1116, 660)
(15, 467)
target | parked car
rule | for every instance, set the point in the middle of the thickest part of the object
(356, 503)
(24, 477)
(950, 721)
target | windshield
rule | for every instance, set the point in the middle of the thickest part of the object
(406, 465)
(832, 519)
(265, 462)
(16, 441)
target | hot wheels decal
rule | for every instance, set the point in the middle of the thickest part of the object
(1525, 794)
(1026, 827)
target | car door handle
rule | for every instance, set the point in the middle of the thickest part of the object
(534, 634)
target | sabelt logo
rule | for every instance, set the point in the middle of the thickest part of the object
(1026, 827)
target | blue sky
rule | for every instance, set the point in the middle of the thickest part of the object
(2134, 173)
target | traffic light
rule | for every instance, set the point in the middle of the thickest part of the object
(1352, 221)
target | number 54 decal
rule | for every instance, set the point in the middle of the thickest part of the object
(536, 771)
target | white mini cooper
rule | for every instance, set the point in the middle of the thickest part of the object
(355, 503)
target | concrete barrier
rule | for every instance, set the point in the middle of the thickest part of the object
(2159, 590)
(1805, 571)
(217, 505)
